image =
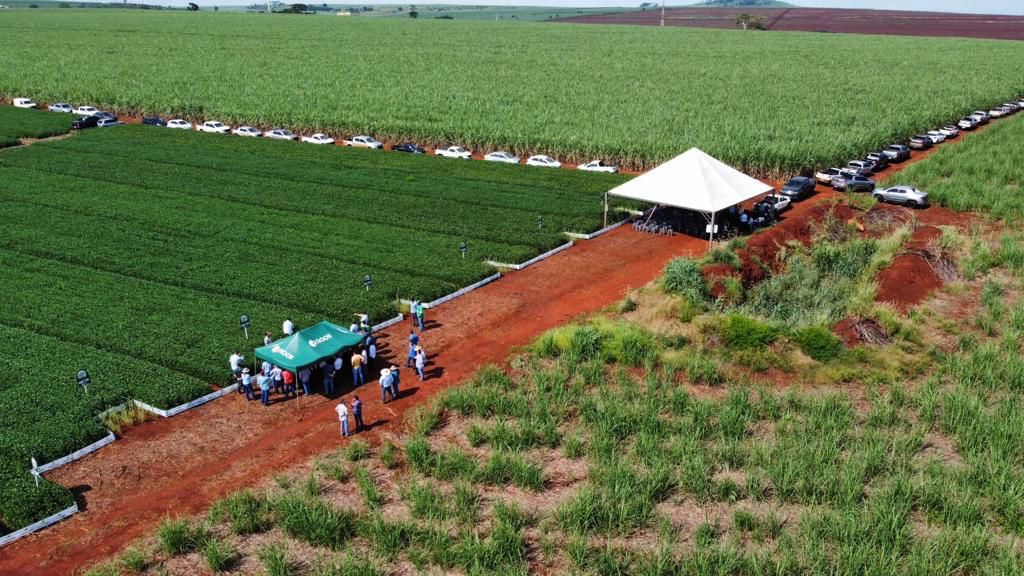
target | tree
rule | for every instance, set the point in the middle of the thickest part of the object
(413, 14)
(750, 21)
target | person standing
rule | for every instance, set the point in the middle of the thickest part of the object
(357, 370)
(247, 384)
(419, 314)
(277, 375)
(328, 378)
(235, 361)
(288, 327)
(342, 411)
(357, 412)
(267, 338)
(366, 361)
(289, 384)
(371, 344)
(263, 381)
(339, 362)
(412, 311)
(414, 340)
(385, 385)
(304, 376)
(421, 362)
(266, 367)
(395, 381)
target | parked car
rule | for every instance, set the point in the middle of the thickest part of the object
(503, 157)
(879, 159)
(920, 142)
(936, 136)
(950, 131)
(825, 176)
(902, 195)
(85, 122)
(798, 187)
(24, 103)
(897, 152)
(153, 121)
(107, 122)
(853, 183)
(86, 110)
(318, 138)
(213, 127)
(862, 167)
(967, 123)
(410, 148)
(247, 131)
(997, 112)
(364, 142)
(61, 107)
(453, 152)
(180, 124)
(543, 161)
(280, 134)
(777, 201)
(104, 114)
(598, 166)
(980, 116)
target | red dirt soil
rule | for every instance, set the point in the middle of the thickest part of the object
(910, 278)
(902, 23)
(181, 465)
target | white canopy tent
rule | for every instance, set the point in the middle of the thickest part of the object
(693, 181)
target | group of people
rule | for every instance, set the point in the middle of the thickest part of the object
(357, 414)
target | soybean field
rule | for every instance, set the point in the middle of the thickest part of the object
(18, 123)
(132, 252)
(767, 103)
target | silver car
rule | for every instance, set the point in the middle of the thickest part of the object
(907, 195)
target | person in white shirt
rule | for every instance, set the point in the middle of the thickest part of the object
(267, 339)
(288, 328)
(235, 361)
(342, 411)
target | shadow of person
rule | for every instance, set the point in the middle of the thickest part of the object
(378, 422)
(78, 493)
(403, 392)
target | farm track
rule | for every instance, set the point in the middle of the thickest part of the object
(183, 464)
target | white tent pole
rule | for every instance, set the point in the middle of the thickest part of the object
(605, 208)
(711, 232)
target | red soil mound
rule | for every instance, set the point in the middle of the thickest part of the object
(760, 256)
(910, 278)
(715, 275)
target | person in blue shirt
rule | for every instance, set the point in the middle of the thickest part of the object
(385, 385)
(414, 339)
(264, 383)
(247, 384)
(357, 412)
(395, 381)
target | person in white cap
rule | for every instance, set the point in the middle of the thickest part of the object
(421, 361)
(247, 384)
(342, 411)
(385, 385)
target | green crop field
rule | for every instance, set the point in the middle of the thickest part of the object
(132, 251)
(765, 102)
(18, 123)
(983, 175)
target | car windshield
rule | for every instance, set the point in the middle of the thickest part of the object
(794, 182)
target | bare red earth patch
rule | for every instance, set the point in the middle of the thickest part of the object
(910, 278)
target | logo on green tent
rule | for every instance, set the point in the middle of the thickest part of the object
(318, 341)
(283, 352)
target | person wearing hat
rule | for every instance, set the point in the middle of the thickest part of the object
(357, 412)
(395, 377)
(342, 411)
(421, 361)
(385, 385)
(247, 384)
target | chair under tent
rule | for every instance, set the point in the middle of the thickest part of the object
(693, 192)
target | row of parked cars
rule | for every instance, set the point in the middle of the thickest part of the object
(856, 175)
(91, 117)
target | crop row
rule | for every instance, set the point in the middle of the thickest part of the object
(638, 95)
(18, 123)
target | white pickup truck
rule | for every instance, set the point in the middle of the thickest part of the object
(363, 142)
(213, 127)
(453, 152)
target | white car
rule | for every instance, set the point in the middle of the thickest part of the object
(598, 166)
(179, 124)
(363, 142)
(907, 195)
(247, 131)
(950, 131)
(543, 161)
(779, 201)
(61, 107)
(503, 157)
(24, 103)
(454, 152)
(213, 127)
(997, 113)
(318, 138)
(107, 122)
(86, 111)
(280, 134)
(937, 136)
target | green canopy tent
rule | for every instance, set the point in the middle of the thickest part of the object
(308, 346)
